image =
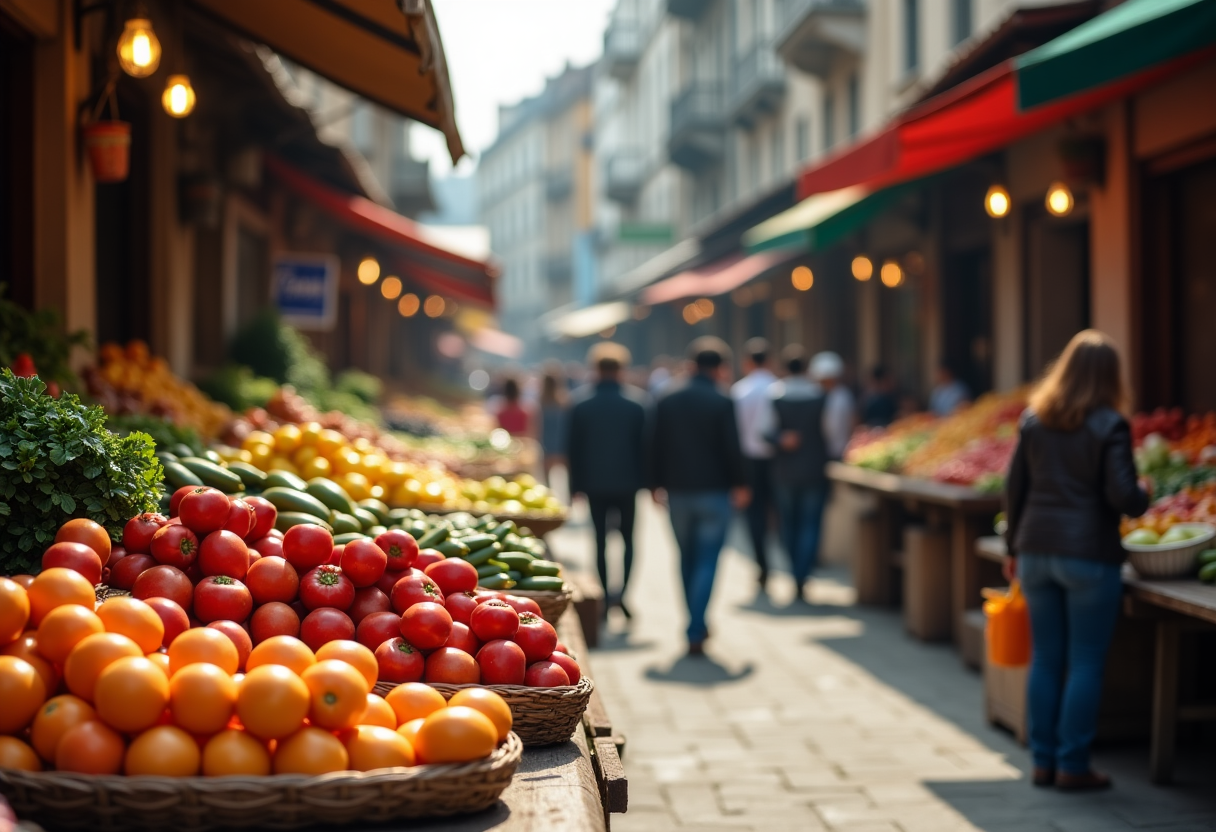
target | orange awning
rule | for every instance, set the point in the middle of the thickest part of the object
(718, 278)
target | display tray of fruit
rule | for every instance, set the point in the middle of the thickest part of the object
(1173, 554)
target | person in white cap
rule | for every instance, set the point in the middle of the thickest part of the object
(827, 369)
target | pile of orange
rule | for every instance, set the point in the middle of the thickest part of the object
(88, 688)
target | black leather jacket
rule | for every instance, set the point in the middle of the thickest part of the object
(1065, 491)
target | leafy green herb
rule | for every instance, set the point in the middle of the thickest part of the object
(41, 335)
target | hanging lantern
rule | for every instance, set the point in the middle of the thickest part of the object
(138, 48)
(1059, 199)
(178, 97)
(997, 202)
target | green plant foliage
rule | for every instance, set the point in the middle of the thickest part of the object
(236, 386)
(272, 349)
(358, 383)
(164, 433)
(58, 461)
(40, 334)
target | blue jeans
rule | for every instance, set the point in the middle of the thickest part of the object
(1073, 604)
(800, 510)
(699, 520)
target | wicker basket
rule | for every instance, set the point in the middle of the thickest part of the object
(542, 716)
(552, 604)
(1173, 560)
(80, 801)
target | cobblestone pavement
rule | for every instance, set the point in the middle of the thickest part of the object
(827, 716)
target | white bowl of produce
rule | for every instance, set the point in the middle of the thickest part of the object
(1175, 554)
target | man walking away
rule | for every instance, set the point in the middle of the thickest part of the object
(697, 469)
(753, 411)
(604, 448)
(798, 465)
(827, 370)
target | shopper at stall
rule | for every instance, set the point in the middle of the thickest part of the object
(753, 411)
(605, 448)
(949, 393)
(839, 408)
(554, 401)
(880, 405)
(1071, 477)
(696, 469)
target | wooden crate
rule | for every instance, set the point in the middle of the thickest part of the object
(1005, 697)
(927, 610)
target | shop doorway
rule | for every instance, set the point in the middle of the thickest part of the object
(1056, 286)
(967, 317)
(901, 327)
(16, 164)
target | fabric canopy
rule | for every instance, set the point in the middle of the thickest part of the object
(590, 320)
(718, 278)
(387, 51)
(1127, 39)
(823, 219)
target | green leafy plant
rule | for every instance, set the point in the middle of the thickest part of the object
(236, 386)
(358, 383)
(164, 433)
(58, 461)
(41, 335)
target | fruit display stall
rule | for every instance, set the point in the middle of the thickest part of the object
(238, 650)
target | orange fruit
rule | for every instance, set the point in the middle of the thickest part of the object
(14, 610)
(489, 703)
(288, 651)
(414, 700)
(22, 691)
(23, 580)
(94, 654)
(203, 644)
(374, 746)
(202, 698)
(63, 628)
(91, 534)
(161, 660)
(338, 694)
(272, 702)
(410, 731)
(56, 587)
(54, 718)
(134, 619)
(456, 735)
(26, 647)
(354, 654)
(166, 751)
(90, 748)
(131, 694)
(16, 754)
(310, 751)
(235, 752)
(378, 712)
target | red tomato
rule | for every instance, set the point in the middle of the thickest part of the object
(172, 616)
(274, 533)
(272, 579)
(453, 575)
(378, 628)
(164, 582)
(399, 661)
(502, 662)
(389, 580)
(324, 625)
(224, 553)
(426, 625)
(536, 636)
(573, 671)
(273, 619)
(124, 573)
(307, 546)
(335, 556)
(240, 517)
(117, 553)
(414, 589)
(367, 601)
(264, 514)
(194, 573)
(175, 545)
(327, 586)
(175, 501)
(494, 619)
(523, 605)
(137, 534)
(239, 638)
(484, 595)
(204, 510)
(461, 606)
(427, 557)
(462, 638)
(546, 674)
(269, 547)
(364, 562)
(451, 666)
(222, 598)
(254, 556)
(75, 556)
(400, 548)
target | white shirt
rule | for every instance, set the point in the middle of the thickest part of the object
(838, 420)
(753, 412)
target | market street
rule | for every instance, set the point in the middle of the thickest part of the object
(828, 717)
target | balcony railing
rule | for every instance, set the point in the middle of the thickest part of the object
(624, 175)
(815, 33)
(622, 48)
(758, 84)
(697, 137)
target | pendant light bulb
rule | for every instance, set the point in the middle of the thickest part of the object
(1059, 199)
(997, 202)
(178, 97)
(138, 48)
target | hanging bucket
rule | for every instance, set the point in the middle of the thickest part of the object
(109, 147)
(1008, 630)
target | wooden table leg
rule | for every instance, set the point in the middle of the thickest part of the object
(886, 530)
(964, 588)
(1165, 703)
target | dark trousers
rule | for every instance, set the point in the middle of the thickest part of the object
(619, 510)
(760, 480)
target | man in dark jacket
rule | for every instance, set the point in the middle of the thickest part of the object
(604, 447)
(696, 467)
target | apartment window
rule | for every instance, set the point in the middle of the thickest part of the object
(911, 34)
(829, 120)
(777, 154)
(962, 19)
(802, 139)
(854, 105)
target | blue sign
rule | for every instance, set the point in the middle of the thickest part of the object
(306, 290)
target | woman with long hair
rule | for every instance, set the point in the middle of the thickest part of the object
(1071, 478)
(513, 417)
(553, 403)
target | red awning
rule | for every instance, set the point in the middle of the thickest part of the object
(976, 117)
(717, 278)
(474, 281)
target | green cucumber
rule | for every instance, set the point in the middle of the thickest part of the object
(545, 568)
(285, 499)
(452, 548)
(478, 541)
(181, 449)
(1207, 556)
(331, 494)
(433, 537)
(377, 508)
(516, 561)
(252, 476)
(483, 555)
(163, 503)
(1208, 572)
(541, 583)
(278, 478)
(213, 475)
(515, 575)
(505, 528)
(179, 476)
(165, 456)
(287, 519)
(375, 531)
(400, 515)
(345, 523)
(491, 568)
(349, 537)
(366, 518)
(499, 580)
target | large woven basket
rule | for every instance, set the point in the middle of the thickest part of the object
(542, 716)
(284, 801)
(552, 603)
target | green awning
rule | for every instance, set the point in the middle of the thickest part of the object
(823, 219)
(1131, 37)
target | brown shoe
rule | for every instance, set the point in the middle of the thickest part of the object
(1089, 781)
(696, 648)
(1043, 777)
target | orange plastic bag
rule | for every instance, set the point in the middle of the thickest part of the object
(1008, 630)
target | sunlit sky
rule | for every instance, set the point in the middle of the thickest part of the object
(500, 51)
